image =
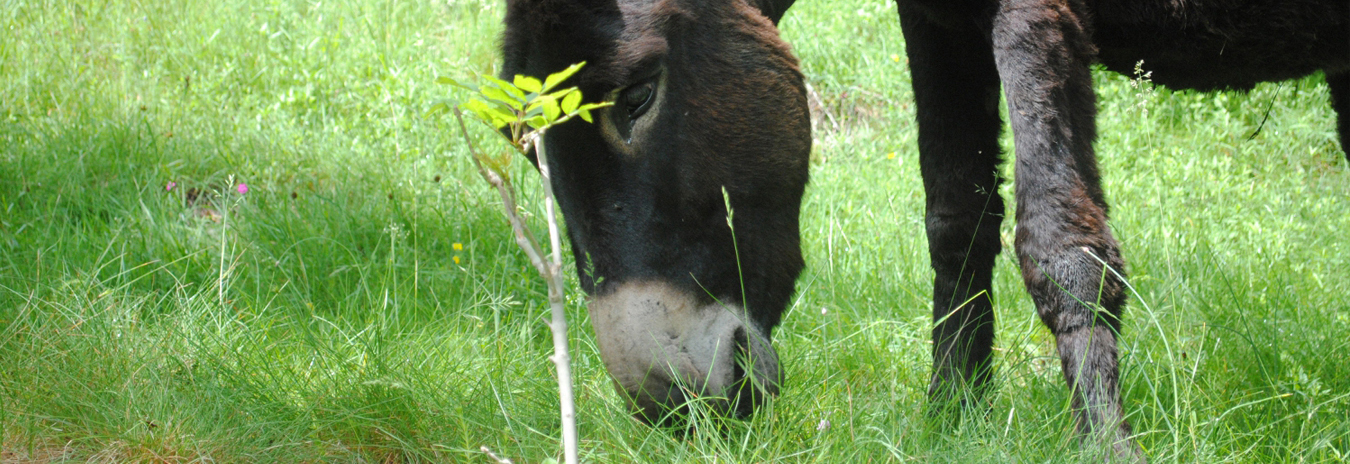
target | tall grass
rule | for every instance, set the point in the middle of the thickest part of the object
(328, 313)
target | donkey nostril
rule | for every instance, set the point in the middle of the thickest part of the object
(744, 395)
(741, 356)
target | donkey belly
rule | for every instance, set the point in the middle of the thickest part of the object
(1214, 44)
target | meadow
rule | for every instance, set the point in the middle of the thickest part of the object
(230, 232)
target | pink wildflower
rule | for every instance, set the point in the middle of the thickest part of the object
(169, 187)
(242, 188)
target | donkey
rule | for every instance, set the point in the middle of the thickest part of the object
(708, 101)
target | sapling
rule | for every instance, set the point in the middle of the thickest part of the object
(522, 111)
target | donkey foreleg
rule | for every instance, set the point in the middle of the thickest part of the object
(1070, 262)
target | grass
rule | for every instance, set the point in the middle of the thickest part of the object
(329, 314)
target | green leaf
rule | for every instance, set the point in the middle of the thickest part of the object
(551, 110)
(558, 77)
(559, 94)
(489, 118)
(527, 83)
(452, 81)
(500, 96)
(537, 122)
(447, 80)
(503, 112)
(507, 86)
(489, 113)
(570, 102)
(475, 105)
(585, 114)
(437, 108)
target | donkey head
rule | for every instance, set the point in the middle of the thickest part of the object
(707, 99)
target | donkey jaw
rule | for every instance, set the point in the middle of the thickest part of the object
(668, 354)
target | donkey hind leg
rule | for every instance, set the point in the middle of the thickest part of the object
(1070, 262)
(1340, 101)
(956, 90)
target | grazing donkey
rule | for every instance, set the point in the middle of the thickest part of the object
(707, 97)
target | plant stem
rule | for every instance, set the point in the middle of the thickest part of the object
(561, 359)
(551, 271)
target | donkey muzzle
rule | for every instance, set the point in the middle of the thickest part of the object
(668, 353)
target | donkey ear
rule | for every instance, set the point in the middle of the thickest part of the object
(547, 19)
(546, 36)
(772, 9)
(553, 13)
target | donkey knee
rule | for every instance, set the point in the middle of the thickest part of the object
(1076, 286)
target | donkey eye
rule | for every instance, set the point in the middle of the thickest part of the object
(637, 98)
